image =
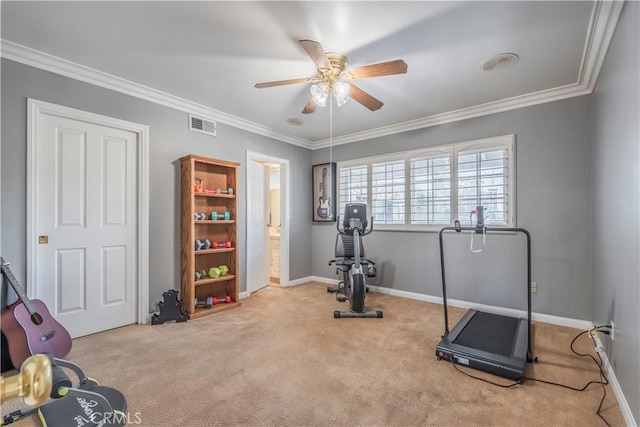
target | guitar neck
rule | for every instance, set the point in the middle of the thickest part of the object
(324, 177)
(17, 287)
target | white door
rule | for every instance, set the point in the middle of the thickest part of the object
(257, 231)
(86, 222)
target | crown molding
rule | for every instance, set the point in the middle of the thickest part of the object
(603, 21)
(507, 104)
(34, 58)
(602, 24)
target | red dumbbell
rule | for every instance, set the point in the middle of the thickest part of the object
(224, 300)
(217, 245)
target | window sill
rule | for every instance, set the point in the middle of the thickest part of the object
(424, 229)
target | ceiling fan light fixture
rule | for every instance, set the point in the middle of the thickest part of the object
(340, 100)
(319, 94)
(341, 92)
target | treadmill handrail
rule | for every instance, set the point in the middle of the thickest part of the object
(458, 229)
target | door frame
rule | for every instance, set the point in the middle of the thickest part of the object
(34, 109)
(285, 212)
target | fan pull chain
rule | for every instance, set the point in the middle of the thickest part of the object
(331, 148)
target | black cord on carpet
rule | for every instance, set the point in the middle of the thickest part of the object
(603, 378)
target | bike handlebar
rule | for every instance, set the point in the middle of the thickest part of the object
(364, 232)
(370, 227)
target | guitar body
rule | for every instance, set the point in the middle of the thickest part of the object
(325, 207)
(27, 338)
(29, 327)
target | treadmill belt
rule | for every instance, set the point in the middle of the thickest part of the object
(490, 332)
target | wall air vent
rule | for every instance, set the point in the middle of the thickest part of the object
(199, 124)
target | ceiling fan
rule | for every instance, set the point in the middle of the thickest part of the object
(333, 76)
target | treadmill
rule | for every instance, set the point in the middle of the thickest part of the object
(500, 345)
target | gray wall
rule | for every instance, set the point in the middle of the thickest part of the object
(553, 156)
(616, 202)
(580, 202)
(169, 140)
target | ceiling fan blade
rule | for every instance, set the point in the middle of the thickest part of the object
(317, 53)
(364, 98)
(310, 107)
(377, 70)
(287, 82)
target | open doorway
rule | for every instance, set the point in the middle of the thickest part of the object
(275, 224)
(267, 221)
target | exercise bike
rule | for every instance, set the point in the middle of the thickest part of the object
(350, 260)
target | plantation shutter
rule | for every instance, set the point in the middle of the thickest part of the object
(353, 186)
(388, 192)
(431, 190)
(483, 180)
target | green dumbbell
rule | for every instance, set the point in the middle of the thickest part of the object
(214, 272)
(223, 270)
(201, 274)
(215, 215)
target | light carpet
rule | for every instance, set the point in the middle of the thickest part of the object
(282, 359)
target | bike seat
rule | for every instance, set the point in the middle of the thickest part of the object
(348, 262)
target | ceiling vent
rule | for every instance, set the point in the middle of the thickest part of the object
(199, 124)
(294, 121)
(500, 61)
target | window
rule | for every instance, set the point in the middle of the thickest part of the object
(353, 186)
(429, 189)
(483, 181)
(387, 192)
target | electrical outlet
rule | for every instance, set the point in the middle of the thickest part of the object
(534, 287)
(612, 330)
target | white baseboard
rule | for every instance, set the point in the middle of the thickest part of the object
(615, 385)
(294, 282)
(307, 279)
(539, 317)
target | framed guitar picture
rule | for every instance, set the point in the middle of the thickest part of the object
(324, 192)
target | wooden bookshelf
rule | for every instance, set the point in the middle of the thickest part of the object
(212, 174)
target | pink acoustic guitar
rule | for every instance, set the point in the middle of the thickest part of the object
(29, 327)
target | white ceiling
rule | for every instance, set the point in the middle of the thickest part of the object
(205, 57)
